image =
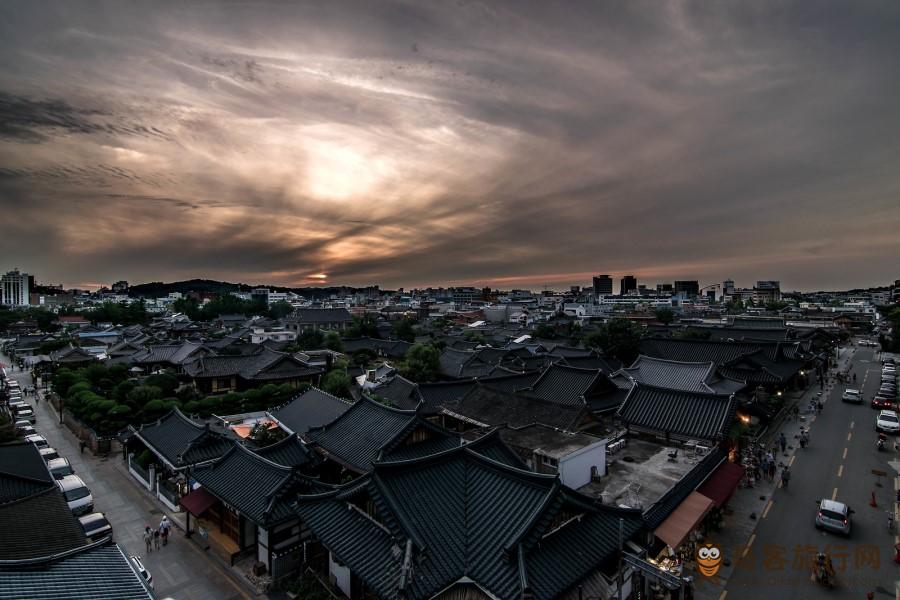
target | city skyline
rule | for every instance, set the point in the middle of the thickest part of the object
(414, 145)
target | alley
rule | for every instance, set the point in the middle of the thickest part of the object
(180, 570)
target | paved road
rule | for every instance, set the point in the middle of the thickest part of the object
(838, 464)
(181, 570)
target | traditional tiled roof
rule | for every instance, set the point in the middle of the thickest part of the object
(71, 354)
(289, 452)
(660, 510)
(258, 488)
(486, 405)
(710, 351)
(97, 572)
(458, 516)
(682, 415)
(677, 375)
(463, 363)
(23, 472)
(593, 362)
(262, 365)
(312, 408)
(355, 438)
(748, 322)
(181, 442)
(38, 525)
(400, 392)
(320, 315)
(565, 385)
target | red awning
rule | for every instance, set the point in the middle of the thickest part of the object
(198, 501)
(685, 518)
(722, 483)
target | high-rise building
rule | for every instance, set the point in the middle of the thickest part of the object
(767, 291)
(15, 288)
(628, 285)
(663, 288)
(728, 287)
(687, 288)
(603, 285)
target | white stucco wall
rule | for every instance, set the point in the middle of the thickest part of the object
(575, 469)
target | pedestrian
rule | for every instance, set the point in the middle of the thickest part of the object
(782, 441)
(772, 470)
(819, 407)
(785, 476)
(156, 538)
(148, 538)
(764, 467)
(164, 527)
(81, 445)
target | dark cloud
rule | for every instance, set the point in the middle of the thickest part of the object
(415, 143)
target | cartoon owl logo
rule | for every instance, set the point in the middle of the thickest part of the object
(709, 558)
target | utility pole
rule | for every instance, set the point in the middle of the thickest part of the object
(621, 579)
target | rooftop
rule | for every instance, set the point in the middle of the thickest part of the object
(640, 474)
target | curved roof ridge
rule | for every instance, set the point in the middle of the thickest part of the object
(254, 456)
(677, 391)
(643, 357)
(516, 538)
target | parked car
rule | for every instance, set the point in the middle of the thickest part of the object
(887, 422)
(37, 440)
(95, 526)
(26, 430)
(833, 516)
(77, 495)
(139, 567)
(883, 403)
(60, 467)
(850, 395)
(48, 453)
(26, 414)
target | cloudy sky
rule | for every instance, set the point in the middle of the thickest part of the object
(451, 142)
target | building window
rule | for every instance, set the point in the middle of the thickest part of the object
(549, 461)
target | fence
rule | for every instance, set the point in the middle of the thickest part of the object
(168, 495)
(145, 476)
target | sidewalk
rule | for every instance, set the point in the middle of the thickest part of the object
(748, 505)
(181, 569)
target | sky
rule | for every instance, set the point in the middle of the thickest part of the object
(520, 144)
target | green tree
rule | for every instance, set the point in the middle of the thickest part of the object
(165, 382)
(280, 309)
(664, 315)
(404, 330)
(311, 339)
(364, 326)
(333, 342)
(619, 338)
(421, 363)
(263, 435)
(337, 383)
(545, 331)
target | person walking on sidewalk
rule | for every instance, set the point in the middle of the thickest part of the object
(164, 527)
(772, 468)
(785, 476)
(782, 441)
(148, 538)
(156, 538)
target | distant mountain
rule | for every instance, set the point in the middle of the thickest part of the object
(158, 289)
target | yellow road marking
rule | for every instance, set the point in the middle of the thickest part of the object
(844, 457)
(766, 511)
(840, 470)
(849, 436)
(791, 462)
(749, 543)
(723, 594)
(834, 494)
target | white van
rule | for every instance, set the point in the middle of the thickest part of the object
(77, 495)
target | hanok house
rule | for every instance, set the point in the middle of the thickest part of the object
(72, 357)
(313, 408)
(354, 441)
(460, 525)
(311, 319)
(179, 444)
(677, 415)
(244, 506)
(223, 374)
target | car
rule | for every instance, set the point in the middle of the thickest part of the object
(37, 440)
(26, 430)
(887, 393)
(96, 526)
(59, 468)
(850, 395)
(48, 453)
(833, 516)
(17, 405)
(26, 414)
(887, 422)
(143, 572)
(77, 495)
(883, 403)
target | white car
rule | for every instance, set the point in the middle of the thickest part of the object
(887, 422)
(77, 495)
(852, 396)
(143, 572)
